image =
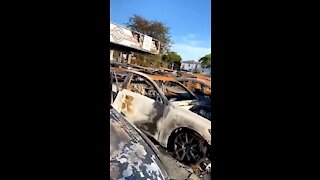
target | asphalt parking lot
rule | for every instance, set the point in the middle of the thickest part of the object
(179, 171)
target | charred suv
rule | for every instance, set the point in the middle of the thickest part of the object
(132, 155)
(165, 110)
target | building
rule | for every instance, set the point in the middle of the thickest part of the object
(124, 43)
(206, 71)
(190, 66)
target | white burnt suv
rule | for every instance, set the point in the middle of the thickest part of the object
(161, 108)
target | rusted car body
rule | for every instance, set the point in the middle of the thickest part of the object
(197, 76)
(202, 89)
(198, 86)
(162, 108)
(132, 155)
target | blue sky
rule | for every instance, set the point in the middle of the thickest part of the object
(189, 22)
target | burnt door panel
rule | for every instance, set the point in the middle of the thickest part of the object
(142, 111)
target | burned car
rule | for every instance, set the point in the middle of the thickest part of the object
(162, 107)
(199, 86)
(132, 154)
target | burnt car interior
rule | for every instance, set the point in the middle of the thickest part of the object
(197, 88)
(174, 91)
(142, 86)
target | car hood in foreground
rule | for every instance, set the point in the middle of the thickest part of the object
(131, 155)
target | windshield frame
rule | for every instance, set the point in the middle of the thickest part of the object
(194, 97)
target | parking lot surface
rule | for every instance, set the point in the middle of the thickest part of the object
(179, 171)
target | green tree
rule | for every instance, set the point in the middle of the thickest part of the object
(154, 29)
(206, 61)
(172, 57)
(144, 59)
(197, 70)
(154, 60)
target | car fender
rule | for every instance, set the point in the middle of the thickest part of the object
(186, 119)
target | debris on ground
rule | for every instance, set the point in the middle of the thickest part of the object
(180, 170)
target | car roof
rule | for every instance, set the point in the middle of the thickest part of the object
(203, 81)
(161, 78)
(198, 76)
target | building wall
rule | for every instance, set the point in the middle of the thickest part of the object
(206, 71)
(190, 67)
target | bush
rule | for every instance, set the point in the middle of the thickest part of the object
(147, 60)
(197, 70)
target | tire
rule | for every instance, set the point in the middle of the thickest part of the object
(187, 147)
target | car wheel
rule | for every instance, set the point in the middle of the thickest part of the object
(187, 147)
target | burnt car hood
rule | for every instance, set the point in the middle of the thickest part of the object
(204, 104)
(132, 156)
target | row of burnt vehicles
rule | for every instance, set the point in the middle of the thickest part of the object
(174, 111)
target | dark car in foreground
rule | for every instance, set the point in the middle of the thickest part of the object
(132, 154)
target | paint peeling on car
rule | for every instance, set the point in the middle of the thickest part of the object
(131, 156)
(160, 118)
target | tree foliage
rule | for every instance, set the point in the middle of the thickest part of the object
(197, 70)
(206, 61)
(172, 57)
(154, 29)
(147, 60)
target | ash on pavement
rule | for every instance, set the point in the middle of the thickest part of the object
(177, 170)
